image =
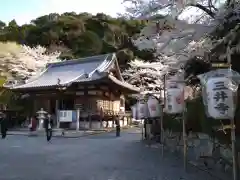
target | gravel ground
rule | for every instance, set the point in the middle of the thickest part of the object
(96, 157)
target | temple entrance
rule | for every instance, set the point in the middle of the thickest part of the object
(53, 106)
(66, 104)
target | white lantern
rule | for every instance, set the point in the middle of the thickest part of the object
(154, 107)
(134, 111)
(175, 99)
(142, 109)
(220, 103)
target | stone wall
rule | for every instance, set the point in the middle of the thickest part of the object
(125, 121)
(202, 151)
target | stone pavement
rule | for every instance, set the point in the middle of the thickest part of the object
(59, 133)
(98, 157)
(67, 133)
(210, 171)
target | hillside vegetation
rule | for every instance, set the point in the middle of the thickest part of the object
(78, 35)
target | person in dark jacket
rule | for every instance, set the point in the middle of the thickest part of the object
(3, 122)
(145, 128)
(117, 127)
(48, 124)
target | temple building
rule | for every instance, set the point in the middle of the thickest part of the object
(90, 89)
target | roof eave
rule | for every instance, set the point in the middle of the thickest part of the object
(33, 88)
(128, 87)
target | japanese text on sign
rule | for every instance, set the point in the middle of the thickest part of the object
(220, 96)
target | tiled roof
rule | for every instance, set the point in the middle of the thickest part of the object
(81, 70)
(67, 72)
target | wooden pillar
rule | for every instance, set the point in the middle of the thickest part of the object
(56, 112)
(47, 101)
(110, 107)
(34, 105)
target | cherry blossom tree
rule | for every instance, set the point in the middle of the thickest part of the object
(149, 8)
(20, 62)
(176, 42)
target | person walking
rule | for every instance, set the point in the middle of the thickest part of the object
(3, 122)
(48, 124)
(118, 128)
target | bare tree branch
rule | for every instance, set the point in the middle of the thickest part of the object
(205, 9)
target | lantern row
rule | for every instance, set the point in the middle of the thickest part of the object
(218, 98)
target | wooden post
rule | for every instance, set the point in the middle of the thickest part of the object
(185, 145)
(162, 115)
(233, 135)
(78, 119)
(89, 117)
(142, 129)
(184, 128)
(184, 140)
(57, 112)
(101, 123)
(234, 152)
(162, 130)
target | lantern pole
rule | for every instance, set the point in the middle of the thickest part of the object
(184, 130)
(141, 119)
(233, 135)
(183, 127)
(162, 130)
(232, 121)
(163, 106)
(234, 156)
(161, 120)
(184, 137)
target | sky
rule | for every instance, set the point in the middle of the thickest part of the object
(23, 11)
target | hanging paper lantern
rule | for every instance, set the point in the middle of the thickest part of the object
(134, 111)
(154, 107)
(175, 99)
(142, 109)
(220, 103)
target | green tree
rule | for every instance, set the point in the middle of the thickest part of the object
(2, 25)
(81, 34)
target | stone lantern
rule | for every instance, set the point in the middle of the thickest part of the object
(2, 115)
(41, 115)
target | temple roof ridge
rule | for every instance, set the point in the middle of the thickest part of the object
(67, 72)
